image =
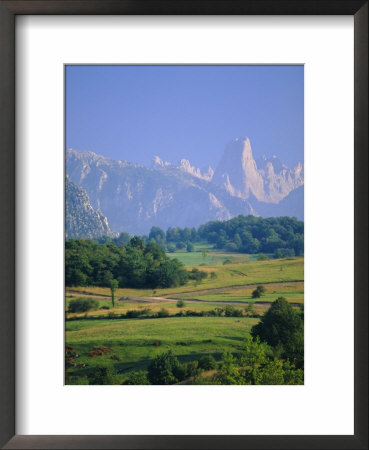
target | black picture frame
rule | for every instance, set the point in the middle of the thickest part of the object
(8, 11)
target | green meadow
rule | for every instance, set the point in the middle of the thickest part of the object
(101, 339)
(132, 344)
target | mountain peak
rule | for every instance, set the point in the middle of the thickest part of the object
(158, 162)
(269, 180)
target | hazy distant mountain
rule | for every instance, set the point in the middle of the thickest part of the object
(80, 218)
(292, 205)
(134, 198)
(268, 180)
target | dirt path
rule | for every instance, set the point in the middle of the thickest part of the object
(227, 288)
(170, 300)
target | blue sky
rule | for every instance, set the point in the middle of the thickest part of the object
(136, 112)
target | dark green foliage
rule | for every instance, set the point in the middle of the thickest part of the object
(102, 375)
(207, 362)
(164, 369)
(137, 378)
(190, 247)
(122, 239)
(191, 369)
(134, 265)
(271, 373)
(113, 288)
(262, 257)
(258, 292)
(180, 304)
(227, 261)
(213, 275)
(182, 235)
(282, 326)
(250, 234)
(231, 311)
(197, 275)
(163, 313)
(82, 305)
(158, 236)
(228, 372)
(250, 311)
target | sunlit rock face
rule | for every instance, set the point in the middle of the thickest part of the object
(134, 198)
(268, 180)
(81, 220)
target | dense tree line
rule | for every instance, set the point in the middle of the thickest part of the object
(250, 234)
(136, 264)
(282, 236)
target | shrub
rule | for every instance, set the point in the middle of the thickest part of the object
(163, 369)
(133, 314)
(227, 261)
(190, 247)
(163, 313)
(104, 307)
(256, 294)
(82, 305)
(261, 289)
(180, 304)
(192, 369)
(282, 326)
(102, 375)
(250, 310)
(262, 257)
(213, 275)
(231, 311)
(171, 248)
(207, 362)
(197, 275)
(134, 378)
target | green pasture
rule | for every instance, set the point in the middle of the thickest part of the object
(210, 259)
(237, 274)
(133, 343)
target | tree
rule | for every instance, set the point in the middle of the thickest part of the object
(82, 305)
(180, 303)
(139, 377)
(158, 236)
(262, 257)
(113, 288)
(282, 326)
(258, 292)
(163, 369)
(250, 310)
(207, 362)
(190, 247)
(102, 375)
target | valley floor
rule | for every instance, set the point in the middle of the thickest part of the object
(131, 344)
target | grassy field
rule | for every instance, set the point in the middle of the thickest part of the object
(133, 343)
(236, 274)
(211, 259)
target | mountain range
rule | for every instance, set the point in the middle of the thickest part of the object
(133, 198)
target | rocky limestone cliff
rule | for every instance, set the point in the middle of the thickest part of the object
(134, 198)
(81, 220)
(268, 180)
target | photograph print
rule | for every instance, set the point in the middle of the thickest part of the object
(184, 225)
